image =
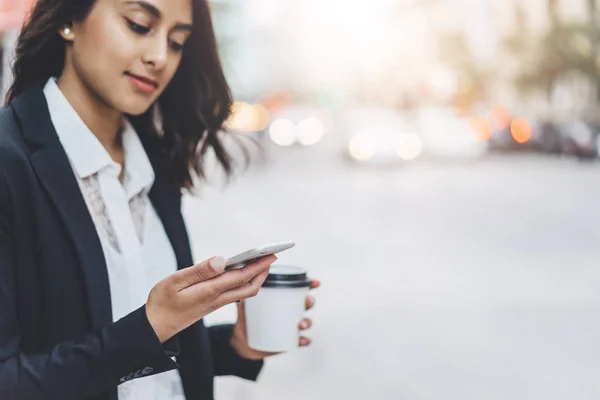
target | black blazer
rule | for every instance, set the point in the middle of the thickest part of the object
(57, 338)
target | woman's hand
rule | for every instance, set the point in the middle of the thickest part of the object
(239, 338)
(188, 295)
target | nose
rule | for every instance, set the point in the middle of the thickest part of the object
(156, 54)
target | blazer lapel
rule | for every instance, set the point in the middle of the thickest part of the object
(56, 175)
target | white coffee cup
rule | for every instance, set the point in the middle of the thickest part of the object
(273, 315)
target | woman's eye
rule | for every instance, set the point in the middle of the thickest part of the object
(176, 46)
(137, 28)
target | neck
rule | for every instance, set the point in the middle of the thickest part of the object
(103, 120)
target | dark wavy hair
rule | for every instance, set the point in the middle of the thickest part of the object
(190, 112)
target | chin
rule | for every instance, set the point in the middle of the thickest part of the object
(134, 107)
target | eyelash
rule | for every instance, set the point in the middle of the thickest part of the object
(137, 28)
(142, 30)
(176, 46)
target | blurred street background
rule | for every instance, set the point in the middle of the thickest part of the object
(436, 162)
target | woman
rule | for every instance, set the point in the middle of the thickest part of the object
(98, 295)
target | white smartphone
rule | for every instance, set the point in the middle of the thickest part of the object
(251, 255)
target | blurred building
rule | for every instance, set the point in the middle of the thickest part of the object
(487, 25)
(380, 50)
(373, 50)
(12, 15)
(249, 44)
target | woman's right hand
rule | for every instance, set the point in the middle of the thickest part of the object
(188, 295)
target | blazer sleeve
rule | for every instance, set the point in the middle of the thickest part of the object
(226, 360)
(120, 351)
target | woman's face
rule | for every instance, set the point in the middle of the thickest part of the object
(127, 52)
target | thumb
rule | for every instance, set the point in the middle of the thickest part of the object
(204, 271)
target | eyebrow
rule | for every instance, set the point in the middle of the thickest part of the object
(156, 12)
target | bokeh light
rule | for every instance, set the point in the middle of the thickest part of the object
(521, 130)
(409, 146)
(242, 117)
(500, 118)
(362, 147)
(310, 131)
(262, 117)
(482, 128)
(283, 132)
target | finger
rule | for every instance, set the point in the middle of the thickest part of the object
(315, 284)
(240, 277)
(243, 292)
(229, 280)
(195, 274)
(270, 259)
(309, 302)
(304, 341)
(246, 263)
(306, 323)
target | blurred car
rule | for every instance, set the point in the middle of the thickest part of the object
(446, 134)
(528, 133)
(523, 133)
(299, 125)
(378, 136)
(579, 139)
(549, 138)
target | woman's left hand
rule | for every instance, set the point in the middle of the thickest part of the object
(239, 338)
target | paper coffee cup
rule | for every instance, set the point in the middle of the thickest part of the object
(273, 315)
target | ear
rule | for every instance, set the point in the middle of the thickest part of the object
(67, 33)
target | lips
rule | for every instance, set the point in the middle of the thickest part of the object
(142, 83)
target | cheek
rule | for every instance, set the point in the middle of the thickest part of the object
(168, 74)
(172, 69)
(103, 49)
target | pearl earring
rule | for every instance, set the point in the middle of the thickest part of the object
(67, 31)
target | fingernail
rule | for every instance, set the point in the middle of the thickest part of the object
(217, 263)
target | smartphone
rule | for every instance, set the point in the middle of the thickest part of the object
(251, 255)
